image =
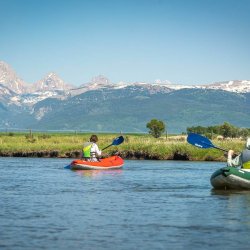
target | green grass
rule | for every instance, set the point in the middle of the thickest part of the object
(135, 146)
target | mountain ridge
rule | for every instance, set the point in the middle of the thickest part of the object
(101, 105)
(52, 82)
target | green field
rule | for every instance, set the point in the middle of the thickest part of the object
(135, 146)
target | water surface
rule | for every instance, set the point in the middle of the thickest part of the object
(146, 205)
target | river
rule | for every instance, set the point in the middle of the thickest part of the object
(146, 205)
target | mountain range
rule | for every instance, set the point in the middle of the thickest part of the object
(100, 105)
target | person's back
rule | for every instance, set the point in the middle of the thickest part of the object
(86, 150)
(245, 156)
(91, 151)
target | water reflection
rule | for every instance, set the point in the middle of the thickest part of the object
(230, 192)
(97, 174)
(236, 206)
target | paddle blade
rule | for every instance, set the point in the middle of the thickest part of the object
(118, 140)
(199, 141)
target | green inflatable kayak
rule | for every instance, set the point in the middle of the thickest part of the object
(231, 178)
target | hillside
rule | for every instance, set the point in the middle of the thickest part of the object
(116, 110)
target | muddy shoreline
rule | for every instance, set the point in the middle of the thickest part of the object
(129, 155)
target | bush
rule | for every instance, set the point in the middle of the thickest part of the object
(44, 136)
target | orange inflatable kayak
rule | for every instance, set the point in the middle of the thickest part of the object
(113, 162)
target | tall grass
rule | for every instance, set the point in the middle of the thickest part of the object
(140, 146)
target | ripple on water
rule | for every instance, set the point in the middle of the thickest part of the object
(146, 205)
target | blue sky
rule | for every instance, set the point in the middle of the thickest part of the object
(183, 41)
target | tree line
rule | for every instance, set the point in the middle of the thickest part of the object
(226, 130)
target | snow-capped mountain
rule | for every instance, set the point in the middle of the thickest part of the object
(14, 90)
(231, 86)
(9, 79)
(128, 105)
(235, 86)
(101, 82)
(53, 86)
(98, 82)
(50, 86)
(51, 82)
(158, 86)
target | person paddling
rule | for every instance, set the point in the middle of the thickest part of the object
(242, 160)
(90, 151)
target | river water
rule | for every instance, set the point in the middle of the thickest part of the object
(146, 205)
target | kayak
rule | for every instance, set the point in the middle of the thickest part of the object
(113, 162)
(231, 178)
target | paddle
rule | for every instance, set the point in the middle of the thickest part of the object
(116, 141)
(201, 142)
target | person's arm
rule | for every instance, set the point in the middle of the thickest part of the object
(97, 150)
(233, 162)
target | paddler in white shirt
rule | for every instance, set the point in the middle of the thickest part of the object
(90, 151)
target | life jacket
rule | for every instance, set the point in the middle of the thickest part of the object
(86, 151)
(245, 158)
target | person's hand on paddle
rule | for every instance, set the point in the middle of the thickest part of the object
(231, 153)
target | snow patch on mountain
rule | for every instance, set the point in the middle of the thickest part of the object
(40, 113)
(231, 86)
(236, 86)
(31, 99)
(161, 86)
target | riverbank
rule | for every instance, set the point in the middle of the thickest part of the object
(135, 146)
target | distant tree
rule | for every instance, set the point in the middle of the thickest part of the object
(197, 130)
(156, 128)
(244, 132)
(227, 130)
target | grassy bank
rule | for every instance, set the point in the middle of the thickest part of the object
(134, 147)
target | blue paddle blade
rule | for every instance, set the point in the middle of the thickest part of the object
(67, 167)
(199, 141)
(118, 140)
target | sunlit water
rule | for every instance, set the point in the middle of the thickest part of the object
(146, 205)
